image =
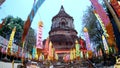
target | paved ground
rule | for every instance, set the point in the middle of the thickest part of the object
(72, 65)
(8, 65)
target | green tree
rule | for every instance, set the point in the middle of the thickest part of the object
(10, 23)
(93, 26)
(30, 40)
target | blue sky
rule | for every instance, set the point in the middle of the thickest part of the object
(21, 8)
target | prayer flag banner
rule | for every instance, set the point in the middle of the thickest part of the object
(105, 43)
(71, 54)
(2, 23)
(50, 53)
(10, 43)
(101, 23)
(11, 37)
(30, 18)
(116, 7)
(56, 56)
(39, 44)
(77, 46)
(87, 39)
(34, 53)
(105, 22)
(108, 31)
(47, 44)
(81, 54)
(100, 12)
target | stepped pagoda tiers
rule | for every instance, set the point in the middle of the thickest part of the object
(62, 33)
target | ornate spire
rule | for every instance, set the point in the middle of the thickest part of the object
(62, 8)
(62, 13)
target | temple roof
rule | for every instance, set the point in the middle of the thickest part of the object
(62, 13)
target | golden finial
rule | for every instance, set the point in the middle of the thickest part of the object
(50, 44)
(76, 41)
(40, 23)
(85, 29)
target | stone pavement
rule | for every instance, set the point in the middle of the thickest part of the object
(8, 64)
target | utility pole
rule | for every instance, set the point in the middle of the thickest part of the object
(117, 21)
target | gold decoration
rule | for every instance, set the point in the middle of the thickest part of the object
(40, 24)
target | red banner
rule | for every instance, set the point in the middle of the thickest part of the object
(104, 19)
(116, 7)
(100, 12)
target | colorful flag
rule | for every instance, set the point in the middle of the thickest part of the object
(51, 51)
(11, 37)
(67, 57)
(104, 43)
(39, 44)
(30, 56)
(87, 39)
(77, 46)
(30, 18)
(47, 44)
(2, 24)
(81, 54)
(101, 23)
(34, 2)
(56, 56)
(71, 54)
(87, 55)
(41, 57)
(10, 43)
(101, 12)
(34, 52)
(116, 6)
(74, 53)
(82, 45)
(26, 28)
(104, 22)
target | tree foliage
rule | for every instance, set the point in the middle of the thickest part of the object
(30, 40)
(94, 29)
(10, 23)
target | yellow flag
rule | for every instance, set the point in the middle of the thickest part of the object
(105, 43)
(50, 49)
(77, 47)
(74, 53)
(56, 56)
(71, 54)
(11, 37)
(87, 55)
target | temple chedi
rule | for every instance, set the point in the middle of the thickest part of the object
(62, 33)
